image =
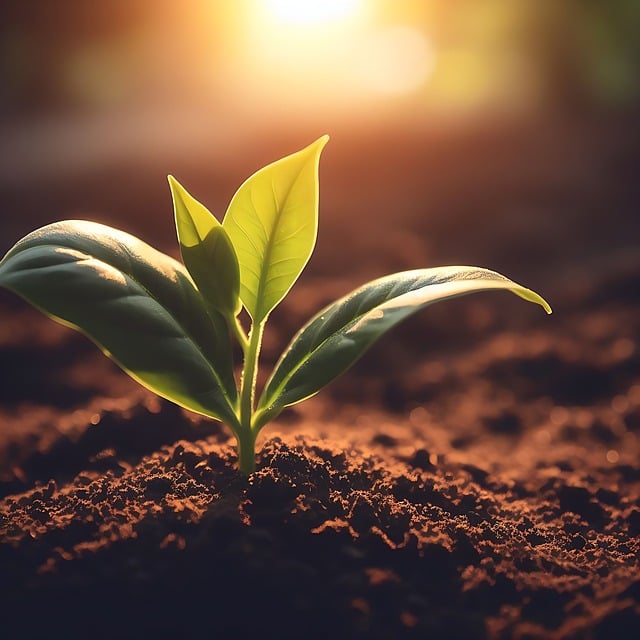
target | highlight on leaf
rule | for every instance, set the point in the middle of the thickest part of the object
(341, 333)
(272, 221)
(170, 327)
(206, 251)
(137, 304)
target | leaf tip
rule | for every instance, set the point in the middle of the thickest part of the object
(176, 188)
(543, 303)
(320, 143)
(316, 147)
(532, 296)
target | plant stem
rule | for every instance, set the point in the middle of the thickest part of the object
(246, 438)
(238, 332)
(246, 451)
(261, 417)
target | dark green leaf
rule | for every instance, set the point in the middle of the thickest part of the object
(139, 305)
(336, 337)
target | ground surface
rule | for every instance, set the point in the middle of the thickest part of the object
(476, 475)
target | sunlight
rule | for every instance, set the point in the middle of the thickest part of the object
(329, 56)
(311, 11)
(396, 60)
(298, 59)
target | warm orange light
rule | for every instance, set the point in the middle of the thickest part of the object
(329, 56)
(301, 12)
(393, 61)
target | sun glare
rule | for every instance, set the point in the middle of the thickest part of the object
(305, 57)
(301, 12)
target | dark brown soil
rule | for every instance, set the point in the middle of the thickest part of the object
(477, 475)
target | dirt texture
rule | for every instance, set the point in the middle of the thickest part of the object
(476, 475)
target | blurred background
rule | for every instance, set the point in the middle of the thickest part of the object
(499, 133)
(502, 133)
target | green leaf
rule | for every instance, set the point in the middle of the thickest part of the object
(272, 221)
(138, 305)
(336, 337)
(207, 251)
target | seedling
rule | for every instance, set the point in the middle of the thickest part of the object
(170, 327)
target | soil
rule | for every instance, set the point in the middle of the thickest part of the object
(476, 475)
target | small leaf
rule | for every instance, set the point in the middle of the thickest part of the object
(272, 221)
(207, 251)
(336, 337)
(138, 305)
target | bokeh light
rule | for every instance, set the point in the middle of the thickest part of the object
(311, 11)
(334, 58)
(293, 61)
(138, 82)
(394, 60)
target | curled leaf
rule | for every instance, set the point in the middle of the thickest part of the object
(137, 304)
(207, 251)
(337, 336)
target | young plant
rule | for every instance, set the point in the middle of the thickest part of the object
(170, 327)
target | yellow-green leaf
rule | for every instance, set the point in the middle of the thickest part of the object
(207, 251)
(272, 221)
